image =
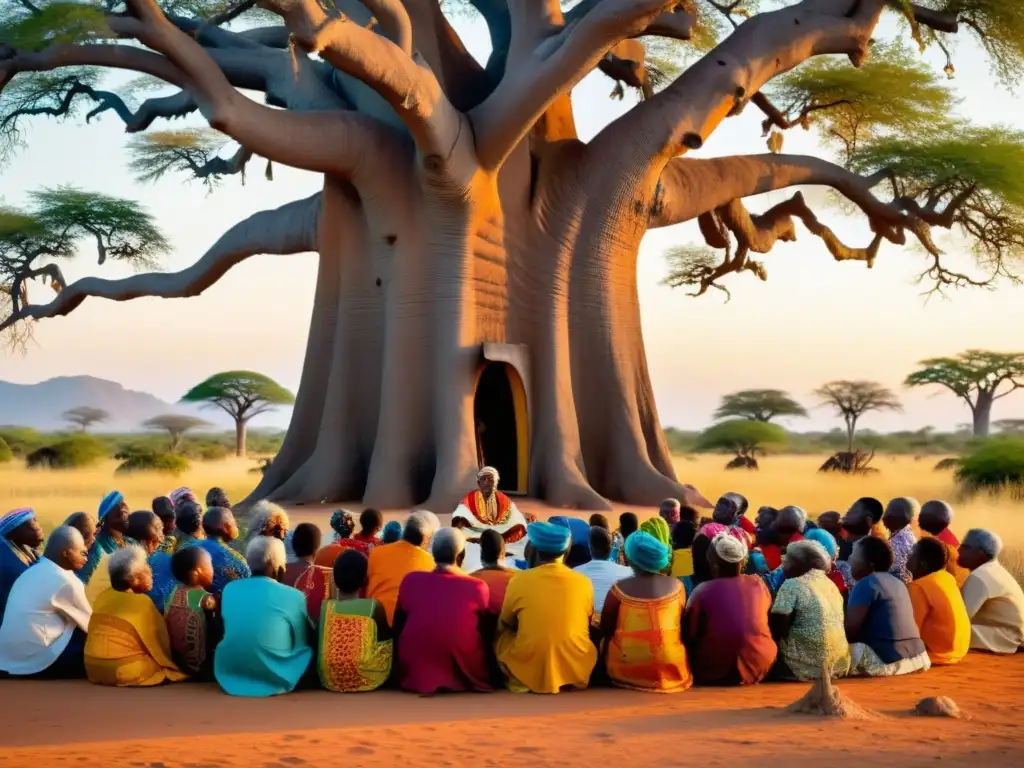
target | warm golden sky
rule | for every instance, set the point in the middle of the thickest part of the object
(813, 321)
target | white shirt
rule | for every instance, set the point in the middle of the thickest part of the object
(995, 603)
(603, 574)
(45, 606)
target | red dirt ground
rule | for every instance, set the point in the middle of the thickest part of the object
(75, 723)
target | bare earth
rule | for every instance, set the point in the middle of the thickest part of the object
(75, 723)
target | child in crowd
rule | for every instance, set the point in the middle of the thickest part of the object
(191, 612)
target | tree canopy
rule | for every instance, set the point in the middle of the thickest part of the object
(84, 416)
(759, 405)
(852, 399)
(745, 437)
(176, 425)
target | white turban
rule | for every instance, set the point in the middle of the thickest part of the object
(728, 548)
(488, 471)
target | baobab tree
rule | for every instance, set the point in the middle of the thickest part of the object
(462, 221)
(977, 376)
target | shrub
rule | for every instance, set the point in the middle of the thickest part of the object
(6, 454)
(745, 438)
(69, 453)
(144, 460)
(947, 464)
(22, 440)
(994, 466)
(212, 452)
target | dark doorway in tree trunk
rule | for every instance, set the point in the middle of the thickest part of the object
(499, 410)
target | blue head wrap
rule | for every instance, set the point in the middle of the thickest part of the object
(647, 553)
(15, 518)
(392, 532)
(823, 537)
(110, 501)
(549, 538)
(579, 529)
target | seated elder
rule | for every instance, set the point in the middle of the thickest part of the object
(787, 528)
(191, 615)
(268, 638)
(128, 644)
(439, 620)
(390, 563)
(113, 522)
(267, 519)
(994, 600)
(228, 565)
(493, 572)
(829, 521)
(858, 522)
(725, 625)
(884, 640)
(601, 571)
(355, 650)
(807, 617)
(85, 524)
(579, 543)
(939, 610)
(934, 522)
(831, 547)
(641, 622)
(898, 519)
(315, 582)
(188, 524)
(544, 640)
(20, 538)
(391, 532)
(47, 616)
(342, 523)
(146, 530)
(163, 508)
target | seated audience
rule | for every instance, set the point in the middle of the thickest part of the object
(939, 610)
(994, 600)
(601, 571)
(899, 519)
(641, 622)
(179, 495)
(144, 529)
(829, 521)
(191, 615)
(20, 539)
(438, 624)
(85, 524)
(127, 644)
(391, 532)
(164, 509)
(215, 497)
(268, 640)
(934, 521)
(315, 582)
(683, 534)
(807, 617)
(831, 547)
(113, 522)
(188, 524)
(669, 511)
(628, 524)
(742, 521)
(857, 523)
(884, 640)
(787, 527)
(543, 640)
(47, 615)
(725, 625)
(267, 519)
(658, 528)
(228, 565)
(390, 563)
(343, 524)
(701, 561)
(728, 511)
(764, 536)
(493, 573)
(579, 546)
(355, 651)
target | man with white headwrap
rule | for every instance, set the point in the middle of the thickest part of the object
(487, 508)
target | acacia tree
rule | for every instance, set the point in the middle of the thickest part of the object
(1010, 426)
(759, 405)
(747, 438)
(459, 206)
(977, 376)
(241, 395)
(84, 416)
(176, 425)
(852, 399)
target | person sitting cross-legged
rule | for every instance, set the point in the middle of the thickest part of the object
(228, 565)
(47, 616)
(544, 640)
(20, 539)
(191, 615)
(939, 609)
(884, 639)
(601, 571)
(493, 571)
(994, 599)
(391, 563)
(356, 648)
(127, 643)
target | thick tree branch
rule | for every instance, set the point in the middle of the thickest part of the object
(51, 271)
(290, 229)
(464, 80)
(676, 22)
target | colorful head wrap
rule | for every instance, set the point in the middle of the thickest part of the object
(110, 501)
(711, 530)
(342, 523)
(825, 539)
(392, 532)
(488, 471)
(579, 529)
(16, 518)
(549, 538)
(182, 493)
(658, 528)
(729, 548)
(647, 552)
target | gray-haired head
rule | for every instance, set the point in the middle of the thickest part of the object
(62, 538)
(126, 564)
(265, 555)
(446, 546)
(420, 526)
(935, 516)
(900, 512)
(983, 540)
(268, 519)
(809, 554)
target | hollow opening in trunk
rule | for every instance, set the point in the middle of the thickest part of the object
(499, 410)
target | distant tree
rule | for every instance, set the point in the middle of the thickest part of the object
(176, 425)
(759, 405)
(852, 399)
(242, 395)
(1010, 426)
(84, 416)
(977, 376)
(745, 437)
(6, 454)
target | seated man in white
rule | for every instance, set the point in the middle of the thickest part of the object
(487, 508)
(994, 599)
(47, 616)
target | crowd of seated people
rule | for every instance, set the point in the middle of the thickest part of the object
(146, 598)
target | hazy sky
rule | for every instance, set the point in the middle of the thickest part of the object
(813, 321)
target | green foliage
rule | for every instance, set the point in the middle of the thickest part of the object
(1010, 426)
(142, 460)
(998, 26)
(759, 405)
(71, 452)
(57, 23)
(176, 425)
(741, 436)
(84, 416)
(158, 153)
(995, 465)
(242, 394)
(970, 371)
(6, 454)
(22, 440)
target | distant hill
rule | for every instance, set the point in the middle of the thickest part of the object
(40, 405)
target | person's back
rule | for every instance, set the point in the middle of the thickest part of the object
(389, 565)
(228, 565)
(995, 603)
(941, 617)
(889, 629)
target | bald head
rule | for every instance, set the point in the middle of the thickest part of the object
(66, 548)
(789, 521)
(935, 517)
(219, 523)
(899, 513)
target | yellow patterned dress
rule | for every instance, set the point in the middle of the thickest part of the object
(351, 658)
(646, 652)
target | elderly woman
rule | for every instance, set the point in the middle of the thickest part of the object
(807, 617)
(268, 637)
(898, 519)
(343, 524)
(438, 624)
(641, 620)
(884, 639)
(113, 522)
(356, 649)
(994, 600)
(20, 539)
(268, 519)
(228, 565)
(839, 576)
(934, 521)
(939, 609)
(391, 532)
(544, 640)
(725, 625)
(391, 563)
(128, 644)
(146, 530)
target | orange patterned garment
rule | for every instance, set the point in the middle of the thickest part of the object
(351, 658)
(646, 652)
(496, 511)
